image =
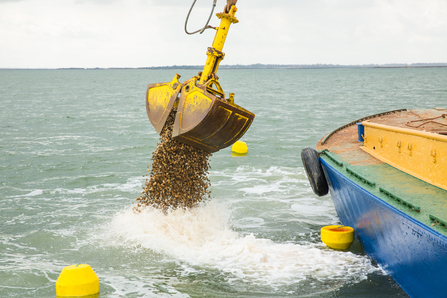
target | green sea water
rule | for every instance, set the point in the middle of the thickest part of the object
(75, 144)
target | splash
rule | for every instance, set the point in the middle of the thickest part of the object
(203, 237)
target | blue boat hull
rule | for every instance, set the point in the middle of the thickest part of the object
(412, 253)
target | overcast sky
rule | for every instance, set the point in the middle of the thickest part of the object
(140, 33)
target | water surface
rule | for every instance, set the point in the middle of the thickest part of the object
(75, 145)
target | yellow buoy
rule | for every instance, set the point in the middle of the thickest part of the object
(337, 236)
(77, 280)
(239, 147)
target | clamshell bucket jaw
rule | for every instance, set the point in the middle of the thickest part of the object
(208, 122)
(160, 99)
(204, 119)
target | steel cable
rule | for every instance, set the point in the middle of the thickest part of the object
(206, 25)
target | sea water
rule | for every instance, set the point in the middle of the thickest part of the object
(75, 144)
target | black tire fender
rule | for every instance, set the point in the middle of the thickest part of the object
(314, 171)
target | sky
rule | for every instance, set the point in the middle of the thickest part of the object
(144, 33)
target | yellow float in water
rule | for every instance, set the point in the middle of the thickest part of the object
(77, 280)
(239, 147)
(337, 236)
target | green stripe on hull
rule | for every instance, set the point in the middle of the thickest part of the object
(418, 199)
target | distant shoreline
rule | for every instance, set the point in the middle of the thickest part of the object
(253, 66)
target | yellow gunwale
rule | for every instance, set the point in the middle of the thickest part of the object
(424, 134)
(420, 154)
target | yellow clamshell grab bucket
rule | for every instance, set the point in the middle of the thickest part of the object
(205, 118)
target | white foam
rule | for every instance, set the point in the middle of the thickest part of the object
(259, 182)
(203, 237)
(34, 193)
(312, 207)
(133, 185)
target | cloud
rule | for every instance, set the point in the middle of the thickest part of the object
(100, 2)
(137, 33)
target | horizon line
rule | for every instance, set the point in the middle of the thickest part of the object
(251, 66)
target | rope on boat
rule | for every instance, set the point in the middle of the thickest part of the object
(427, 120)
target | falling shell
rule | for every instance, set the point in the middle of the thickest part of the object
(178, 175)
